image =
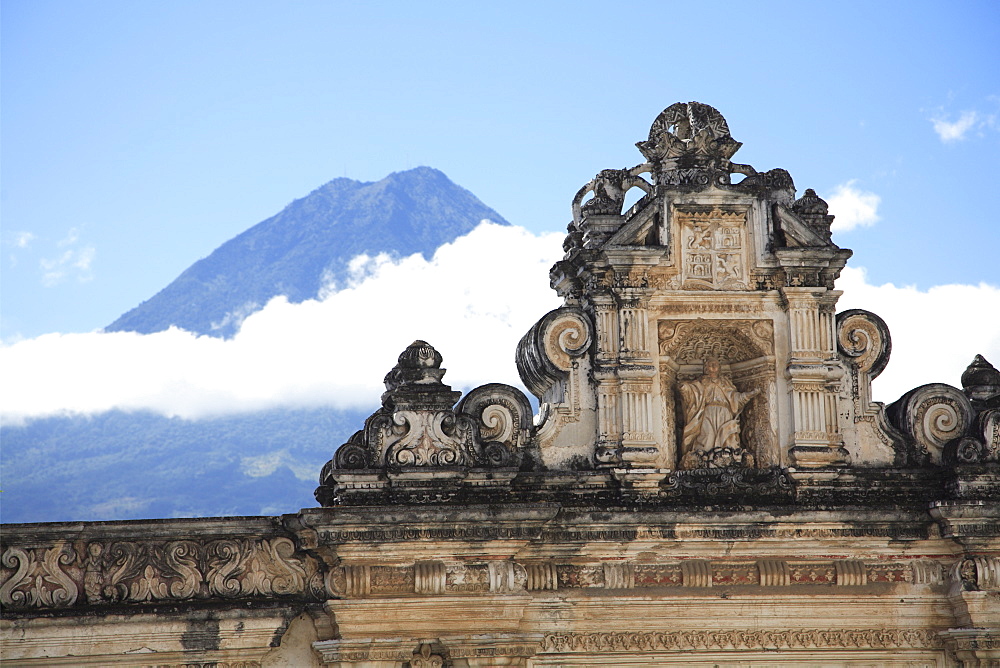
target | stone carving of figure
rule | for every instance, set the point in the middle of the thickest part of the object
(712, 405)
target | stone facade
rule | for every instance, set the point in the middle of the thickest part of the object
(707, 482)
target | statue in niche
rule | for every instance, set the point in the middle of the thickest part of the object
(712, 406)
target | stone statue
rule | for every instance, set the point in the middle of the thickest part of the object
(712, 405)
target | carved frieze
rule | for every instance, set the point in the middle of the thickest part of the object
(877, 638)
(658, 575)
(255, 568)
(104, 572)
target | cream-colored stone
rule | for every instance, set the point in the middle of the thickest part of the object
(835, 532)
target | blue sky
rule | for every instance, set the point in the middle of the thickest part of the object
(138, 136)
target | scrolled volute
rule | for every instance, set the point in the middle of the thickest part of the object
(503, 419)
(932, 416)
(546, 352)
(863, 338)
(353, 454)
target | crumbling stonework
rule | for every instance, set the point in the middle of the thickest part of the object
(707, 482)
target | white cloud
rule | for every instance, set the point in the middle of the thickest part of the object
(72, 262)
(950, 131)
(852, 207)
(473, 301)
(935, 333)
(71, 238)
(23, 239)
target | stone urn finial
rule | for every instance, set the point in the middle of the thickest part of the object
(981, 380)
(419, 364)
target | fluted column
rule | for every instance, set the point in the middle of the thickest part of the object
(814, 378)
(636, 373)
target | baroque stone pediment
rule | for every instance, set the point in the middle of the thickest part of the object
(705, 451)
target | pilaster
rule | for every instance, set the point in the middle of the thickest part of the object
(814, 374)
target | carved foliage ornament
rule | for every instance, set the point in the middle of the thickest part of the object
(148, 571)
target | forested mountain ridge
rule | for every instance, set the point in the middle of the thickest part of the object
(309, 244)
(132, 465)
(128, 465)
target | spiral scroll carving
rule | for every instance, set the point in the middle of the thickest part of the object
(864, 337)
(353, 454)
(932, 415)
(546, 353)
(503, 417)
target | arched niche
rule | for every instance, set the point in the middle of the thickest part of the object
(745, 349)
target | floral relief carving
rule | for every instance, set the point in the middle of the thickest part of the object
(40, 578)
(424, 658)
(742, 640)
(823, 573)
(149, 571)
(658, 575)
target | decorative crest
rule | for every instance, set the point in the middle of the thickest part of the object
(419, 430)
(689, 135)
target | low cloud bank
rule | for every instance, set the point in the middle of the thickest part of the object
(935, 333)
(473, 301)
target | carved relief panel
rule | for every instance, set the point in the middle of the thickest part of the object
(713, 249)
(735, 358)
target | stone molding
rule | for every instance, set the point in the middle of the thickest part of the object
(67, 575)
(205, 664)
(489, 650)
(742, 640)
(458, 578)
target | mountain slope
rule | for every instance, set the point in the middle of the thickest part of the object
(120, 465)
(309, 243)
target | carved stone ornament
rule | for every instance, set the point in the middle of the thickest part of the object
(981, 445)
(712, 405)
(687, 140)
(425, 658)
(609, 188)
(547, 351)
(419, 428)
(713, 250)
(64, 575)
(625, 641)
(932, 416)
